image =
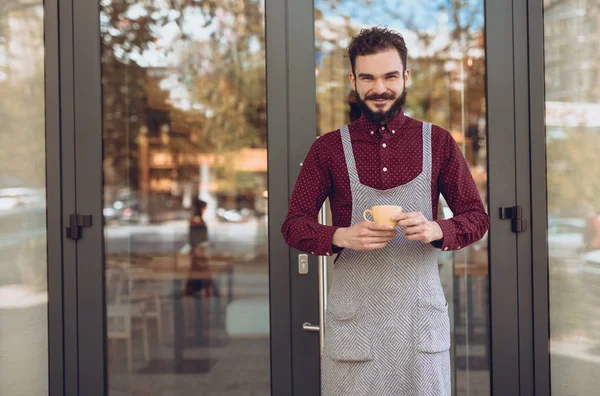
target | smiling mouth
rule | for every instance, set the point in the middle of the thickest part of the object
(380, 101)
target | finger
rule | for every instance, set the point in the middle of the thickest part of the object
(374, 246)
(400, 216)
(416, 237)
(377, 234)
(413, 229)
(404, 216)
(411, 221)
(379, 227)
(376, 240)
(390, 234)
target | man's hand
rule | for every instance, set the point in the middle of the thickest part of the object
(364, 236)
(416, 227)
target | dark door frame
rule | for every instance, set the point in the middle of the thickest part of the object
(278, 105)
(539, 213)
(57, 325)
(503, 243)
(302, 132)
(63, 342)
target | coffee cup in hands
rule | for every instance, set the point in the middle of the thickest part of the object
(382, 214)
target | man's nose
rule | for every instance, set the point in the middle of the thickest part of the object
(380, 87)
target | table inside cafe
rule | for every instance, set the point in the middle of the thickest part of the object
(216, 271)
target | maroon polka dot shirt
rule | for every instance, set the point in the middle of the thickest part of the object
(398, 149)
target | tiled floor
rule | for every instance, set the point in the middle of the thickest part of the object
(241, 368)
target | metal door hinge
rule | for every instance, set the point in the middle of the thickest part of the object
(76, 223)
(515, 214)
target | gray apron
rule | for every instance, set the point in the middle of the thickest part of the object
(387, 330)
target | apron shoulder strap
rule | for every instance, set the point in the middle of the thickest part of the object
(350, 163)
(427, 147)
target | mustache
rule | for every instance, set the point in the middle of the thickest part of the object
(379, 117)
(385, 96)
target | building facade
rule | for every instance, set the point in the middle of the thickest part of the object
(149, 149)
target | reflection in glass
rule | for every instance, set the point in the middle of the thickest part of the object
(23, 264)
(572, 35)
(445, 43)
(185, 197)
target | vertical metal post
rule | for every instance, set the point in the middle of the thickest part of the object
(322, 276)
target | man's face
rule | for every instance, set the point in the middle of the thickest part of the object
(381, 84)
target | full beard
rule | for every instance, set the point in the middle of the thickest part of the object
(381, 117)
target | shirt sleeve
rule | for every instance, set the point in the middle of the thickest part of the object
(455, 182)
(301, 229)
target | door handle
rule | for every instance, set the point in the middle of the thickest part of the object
(307, 326)
(322, 284)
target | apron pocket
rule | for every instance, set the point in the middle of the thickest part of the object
(433, 331)
(348, 337)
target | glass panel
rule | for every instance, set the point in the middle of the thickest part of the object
(572, 34)
(445, 43)
(185, 197)
(23, 264)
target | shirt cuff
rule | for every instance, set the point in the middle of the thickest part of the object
(449, 241)
(325, 241)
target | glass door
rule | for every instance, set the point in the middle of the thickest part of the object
(24, 203)
(173, 167)
(453, 71)
(185, 194)
(447, 89)
(567, 247)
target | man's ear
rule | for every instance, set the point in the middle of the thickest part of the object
(352, 80)
(407, 77)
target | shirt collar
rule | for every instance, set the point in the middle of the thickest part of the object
(371, 129)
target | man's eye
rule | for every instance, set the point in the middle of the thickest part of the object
(392, 77)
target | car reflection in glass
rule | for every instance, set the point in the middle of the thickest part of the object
(22, 223)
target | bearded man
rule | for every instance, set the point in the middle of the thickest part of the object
(387, 330)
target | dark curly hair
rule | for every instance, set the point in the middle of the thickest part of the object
(374, 40)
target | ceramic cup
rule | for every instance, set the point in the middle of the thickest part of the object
(382, 214)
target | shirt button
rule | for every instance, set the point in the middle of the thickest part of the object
(372, 132)
(393, 131)
(384, 145)
(459, 247)
(383, 128)
(446, 248)
(385, 169)
(329, 254)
